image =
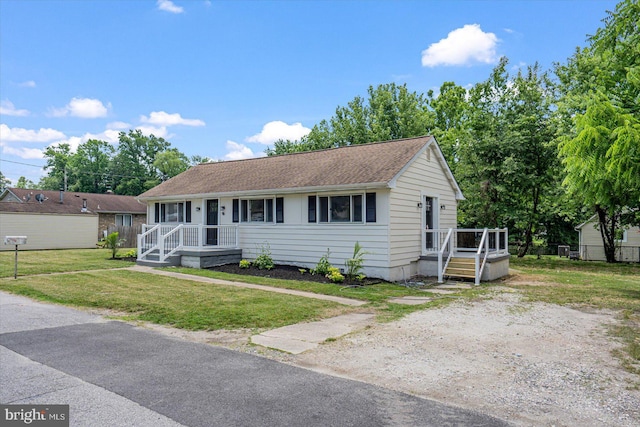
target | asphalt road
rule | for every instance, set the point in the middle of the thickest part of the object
(114, 374)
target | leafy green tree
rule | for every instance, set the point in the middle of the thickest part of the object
(170, 163)
(389, 112)
(4, 181)
(600, 110)
(133, 166)
(23, 182)
(90, 167)
(508, 164)
(57, 158)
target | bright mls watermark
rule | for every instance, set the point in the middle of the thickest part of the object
(35, 415)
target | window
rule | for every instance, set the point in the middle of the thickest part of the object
(124, 220)
(258, 210)
(342, 208)
(173, 212)
(621, 236)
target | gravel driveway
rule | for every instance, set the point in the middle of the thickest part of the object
(532, 364)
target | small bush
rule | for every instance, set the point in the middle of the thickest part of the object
(334, 275)
(354, 264)
(323, 265)
(245, 263)
(131, 253)
(111, 242)
(264, 261)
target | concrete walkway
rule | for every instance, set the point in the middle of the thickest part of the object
(339, 300)
(304, 336)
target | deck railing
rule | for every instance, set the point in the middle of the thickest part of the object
(164, 240)
(479, 243)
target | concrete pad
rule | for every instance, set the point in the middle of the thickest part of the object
(301, 337)
(440, 291)
(411, 300)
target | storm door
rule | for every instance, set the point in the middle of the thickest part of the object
(428, 221)
(212, 219)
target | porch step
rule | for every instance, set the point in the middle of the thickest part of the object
(461, 267)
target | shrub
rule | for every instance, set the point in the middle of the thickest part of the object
(334, 275)
(323, 265)
(354, 264)
(111, 242)
(264, 261)
(131, 253)
(245, 263)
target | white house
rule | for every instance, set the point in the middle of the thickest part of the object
(398, 199)
(591, 247)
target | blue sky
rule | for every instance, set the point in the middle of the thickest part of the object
(224, 79)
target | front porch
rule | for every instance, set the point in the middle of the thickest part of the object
(197, 246)
(479, 254)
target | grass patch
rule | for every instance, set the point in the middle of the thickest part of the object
(378, 293)
(57, 261)
(589, 284)
(169, 301)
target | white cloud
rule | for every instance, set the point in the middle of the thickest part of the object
(273, 131)
(238, 151)
(118, 125)
(168, 6)
(160, 132)
(28, 135)
(28, 83)
(23, 153)
(161, 118)
(85, 108)
(7, 108)
(462, 46)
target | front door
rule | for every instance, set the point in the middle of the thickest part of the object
(212, 219)
(428, 221)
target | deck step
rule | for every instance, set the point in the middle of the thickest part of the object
(461, 267)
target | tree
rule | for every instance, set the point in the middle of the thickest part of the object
(600, 105)
(25, 183)
(133, 166)
(57, 158)
(4, 181)
(389, 112)
(90, 167)
(507, 163)
(170, 163)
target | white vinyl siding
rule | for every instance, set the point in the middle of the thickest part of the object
(50, 231)
(592, 249)
(424, 177)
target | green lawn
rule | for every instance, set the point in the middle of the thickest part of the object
(168, 301)
(58, 261)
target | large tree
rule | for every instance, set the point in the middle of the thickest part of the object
(90, 167)
(4, 181)
(58, 158)
(507, 160)
(389, 112)
(133, 166)
(601, 103)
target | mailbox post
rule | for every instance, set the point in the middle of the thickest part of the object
(15, 240)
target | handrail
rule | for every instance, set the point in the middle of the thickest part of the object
(168, 238)
(480, 267)
(445, 243)
(142, 237)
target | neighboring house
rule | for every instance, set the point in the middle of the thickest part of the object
(592, 249)
(65, 220)
(398, 199)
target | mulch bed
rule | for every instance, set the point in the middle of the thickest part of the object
(289, 272)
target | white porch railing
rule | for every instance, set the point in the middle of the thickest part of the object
(164, 240)
(465, 242)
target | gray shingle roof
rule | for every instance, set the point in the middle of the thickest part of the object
(376, 163)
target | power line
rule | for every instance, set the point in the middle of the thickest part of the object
(112, 175)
